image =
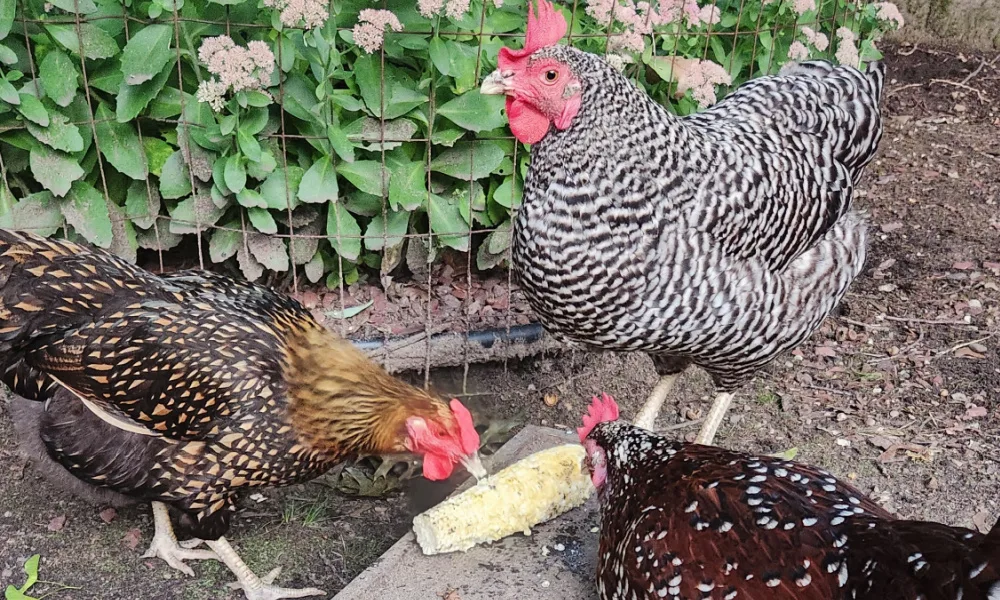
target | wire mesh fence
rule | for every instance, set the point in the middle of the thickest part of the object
(339, 151)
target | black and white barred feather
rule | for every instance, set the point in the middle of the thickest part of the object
(722, 238)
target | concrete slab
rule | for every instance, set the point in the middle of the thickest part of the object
(515, 567)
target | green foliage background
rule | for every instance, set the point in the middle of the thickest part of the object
(102, 138)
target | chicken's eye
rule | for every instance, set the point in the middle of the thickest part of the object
(551, 76)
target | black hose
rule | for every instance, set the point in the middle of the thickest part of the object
(532, 332)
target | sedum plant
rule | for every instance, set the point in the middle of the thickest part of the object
(277, 135)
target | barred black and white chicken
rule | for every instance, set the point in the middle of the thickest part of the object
(719, 239)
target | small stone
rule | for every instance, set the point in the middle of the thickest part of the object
(894, 414)
(545, 584)
(559, 547)
(975, 304)
(841, 417)
(977, 347)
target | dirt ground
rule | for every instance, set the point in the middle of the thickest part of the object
(898, 393)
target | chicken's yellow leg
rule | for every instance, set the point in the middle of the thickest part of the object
(649, 411)
(165, 545)
(714, 419)
(256, 588)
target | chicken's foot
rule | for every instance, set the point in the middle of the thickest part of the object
(256, 588)
(649, 411)
(714, 419)
(165, 545)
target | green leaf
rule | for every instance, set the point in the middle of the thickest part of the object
(341, 145)
(31, 570)
(369, 176)
(314, 268)
(157, 152)
(475, 112)
(224, 243)
(120, 144)
(133, 99)
(348, 312)
(463, 58)
(58, 76)
(279, 189)
(262, 220)
(194, 214)
(236, 173)
(85, 209)
(263, 167)
(60, 134)
(7, 56)
(343, 232)
(175, 179)
(107, 79)
(38, 212)
(319, 184)
(7, 92)
(7, 10)
(96, 43)
(439, 56)
(83, 7)
(508, 194)
(167, 102)
(403, 100)
(31, 108)
(269, 251)
(142, 204)
(368, 74)
(249, 145)
(379, 236)
(469, 160)
(447, 223)
(251, 199)
(54, 170)
(408, 185)
(257, 98)
(146, 53)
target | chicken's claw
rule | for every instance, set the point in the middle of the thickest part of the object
(269, 591)
(166, 547)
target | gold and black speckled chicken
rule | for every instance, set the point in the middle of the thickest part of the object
(186, 388)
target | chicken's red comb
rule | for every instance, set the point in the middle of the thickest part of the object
(545, 28)
(601, 409)
(468, 436)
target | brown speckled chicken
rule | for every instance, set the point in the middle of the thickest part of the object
(186, 388)
(686, 521)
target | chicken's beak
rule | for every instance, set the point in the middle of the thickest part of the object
(497, 83)
(474, 465)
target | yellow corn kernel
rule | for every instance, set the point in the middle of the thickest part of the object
(528, 492)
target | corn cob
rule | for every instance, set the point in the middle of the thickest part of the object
(528, 492)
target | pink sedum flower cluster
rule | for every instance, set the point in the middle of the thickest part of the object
(798, 51)
(889, 12)
(305, 13)
(699, 76)
(235, 68)
(818, 40)
(639, 18)
(453, 9)
(369, 32)
(847, 50)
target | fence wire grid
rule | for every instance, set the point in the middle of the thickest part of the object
(43, 30)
